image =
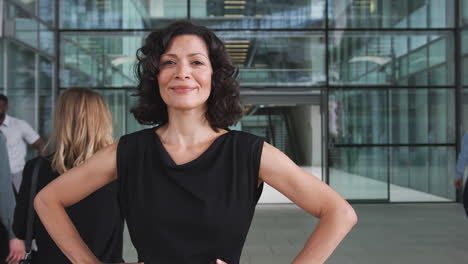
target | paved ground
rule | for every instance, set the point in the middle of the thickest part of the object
(386, 233)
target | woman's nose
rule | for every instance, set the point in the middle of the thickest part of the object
(183, 72)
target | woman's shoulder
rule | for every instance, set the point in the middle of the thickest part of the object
(135, 139)
(133, 143)
(144, 133)
(245, 136)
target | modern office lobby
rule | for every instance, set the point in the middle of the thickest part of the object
(368, 96)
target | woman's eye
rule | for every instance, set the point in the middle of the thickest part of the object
(168, 62)
(197, 62)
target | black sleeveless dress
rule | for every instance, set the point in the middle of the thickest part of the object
(194, 212)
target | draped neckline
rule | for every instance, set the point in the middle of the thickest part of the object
(170, 161)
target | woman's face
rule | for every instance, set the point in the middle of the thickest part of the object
(185, 73)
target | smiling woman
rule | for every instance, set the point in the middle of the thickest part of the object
(202, 54)
(188, 187)
(188, 73)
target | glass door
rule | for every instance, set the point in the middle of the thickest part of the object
(357, 156)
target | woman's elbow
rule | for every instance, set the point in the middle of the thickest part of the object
(340, 212)
(42, 201)
(39, 202)
(349, 215)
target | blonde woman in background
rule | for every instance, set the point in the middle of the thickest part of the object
(82, 126)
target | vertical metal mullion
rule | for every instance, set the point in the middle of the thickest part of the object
(393, 80)
(4, 47)
(389, 149)
(325, 161)
(5, 65)
(124, 104)
(56, 68)
(188, 10)
(324, 105)
(36, 69)
(428, 80)
(458, 83)
(408, 22)
(36, 91)
(2, 17)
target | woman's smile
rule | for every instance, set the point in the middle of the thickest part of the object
(182, 89)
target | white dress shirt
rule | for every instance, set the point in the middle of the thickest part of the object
(17, 133)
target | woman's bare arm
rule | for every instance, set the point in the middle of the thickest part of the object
(68, 189)
(337, 217)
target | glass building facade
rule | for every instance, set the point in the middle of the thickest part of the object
(370, 96)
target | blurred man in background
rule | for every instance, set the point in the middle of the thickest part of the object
(11, 248)
(18, 134)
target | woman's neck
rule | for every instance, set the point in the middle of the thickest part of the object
(186, 128)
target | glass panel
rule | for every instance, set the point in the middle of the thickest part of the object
(46, 40)
(29, 5)
(117, 104)
(464, 113)
(399, 116)
(2, 72)
(120, 101)
(359, 172)
(422, 116)
(358, 117)
(391, 14)
(99, 59)
(464, 12)
(422, 174)
(45, 107)
(465, 70)
(386, 58)
(464, 47)
(21, 84)
(46, 10)
(120, 14)
(264, 58)
(25, 28)
(293, 129)
(277, 58)
(259, 14)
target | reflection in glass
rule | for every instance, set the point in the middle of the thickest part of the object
(277, 58)
(120, 101)
(391, 58)
(422, 174)
(45, 105)
(46, 10)
(464, 12)
(46, 40)
(259, 14)
(264, 58)
(25, 27)
(464, 113)
(120, 14)
(395, 116)
(2, 72)
(391, 14)
(29, 5)
(464, 62)
(359, 173)
(293, 129)
(99, 59)
(116, 100)
(21, 83)
(358, 116)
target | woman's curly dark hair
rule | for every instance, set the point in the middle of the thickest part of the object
(223, 104)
